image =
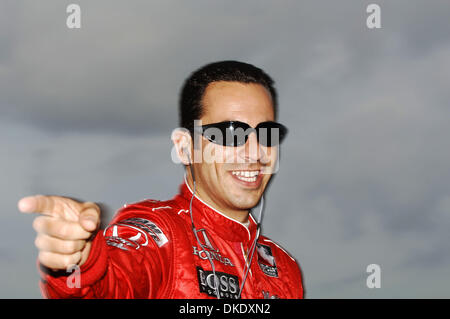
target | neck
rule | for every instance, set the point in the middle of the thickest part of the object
(240, 216)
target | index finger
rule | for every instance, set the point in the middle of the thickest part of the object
(40, 204)
(28, 204)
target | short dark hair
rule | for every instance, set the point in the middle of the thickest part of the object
(190, 106)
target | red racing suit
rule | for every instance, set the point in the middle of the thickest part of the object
(149, 250)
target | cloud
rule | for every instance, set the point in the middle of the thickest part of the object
(122, 71)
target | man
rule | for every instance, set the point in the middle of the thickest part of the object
(203, 243)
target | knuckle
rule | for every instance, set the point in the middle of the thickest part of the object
(38, 242)
(43, 258)
(64, 230)
(69, 247)
(70, 260)
(37, 224)
(64, 261)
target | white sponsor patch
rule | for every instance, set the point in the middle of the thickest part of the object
(266, 260)
(133, 232)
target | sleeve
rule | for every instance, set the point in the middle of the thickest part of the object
(131, 258)
(295, 277)
(298, 275)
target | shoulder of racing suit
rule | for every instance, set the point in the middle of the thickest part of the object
(154, 220)
(275, 246)
(267, 249)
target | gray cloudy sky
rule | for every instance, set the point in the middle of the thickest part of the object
(364, 176)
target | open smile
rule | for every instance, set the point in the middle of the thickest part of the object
(247, 178)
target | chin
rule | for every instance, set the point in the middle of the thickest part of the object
(241, 196)
(244, 202)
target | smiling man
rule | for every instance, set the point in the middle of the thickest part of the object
(203, 243)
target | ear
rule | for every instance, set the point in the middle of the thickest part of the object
(182, 142)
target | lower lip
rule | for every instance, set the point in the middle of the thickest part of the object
(246, 184)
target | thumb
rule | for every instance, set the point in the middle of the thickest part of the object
(89, 217)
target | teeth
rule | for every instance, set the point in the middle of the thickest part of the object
(248, 176)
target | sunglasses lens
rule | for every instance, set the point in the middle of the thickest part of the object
(235, 133)
(226, 133)
(215, 134)
(271, 133)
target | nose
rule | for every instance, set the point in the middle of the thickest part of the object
(252, 152)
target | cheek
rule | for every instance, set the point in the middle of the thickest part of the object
(269, 158)
(272, 153)
(218, 154)
(230, 154)
(214, 156)
(267, 154)
(211, 153)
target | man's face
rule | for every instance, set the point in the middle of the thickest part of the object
(229, 183)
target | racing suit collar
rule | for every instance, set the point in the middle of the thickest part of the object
(206, 216)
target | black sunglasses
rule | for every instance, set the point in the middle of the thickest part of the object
(235, 133)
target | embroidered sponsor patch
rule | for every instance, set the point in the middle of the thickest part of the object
(228, 284)
(121, 243)
(207, 250)
(150, 227)
(266, 261)
(268, 295)
(133, 232)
